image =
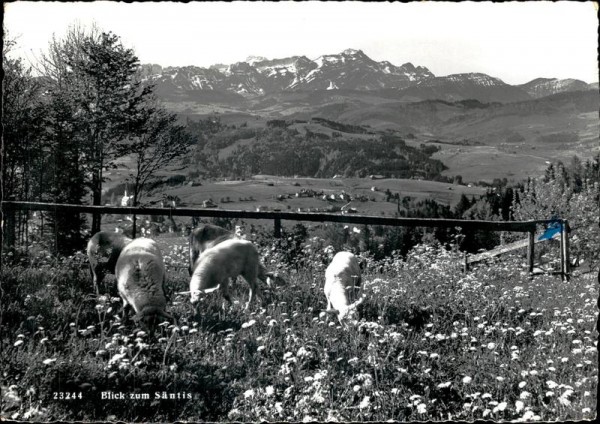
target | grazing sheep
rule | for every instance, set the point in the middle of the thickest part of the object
(226, 260)
(140, 273)
(103, 250)
(206, 236)
(342, 274)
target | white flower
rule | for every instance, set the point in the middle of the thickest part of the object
(527, 416)
(248, 393)
(444, 385)
(467, 379)
(551, 384)
(522, 384)
(269, 390)
(524, 395)
(365, 402)
(421, 408)
(519, 405)
(48, 361)
(249, 323)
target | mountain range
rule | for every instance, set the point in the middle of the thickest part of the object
(349, 70)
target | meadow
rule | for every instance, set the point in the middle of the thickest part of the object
(433, 343)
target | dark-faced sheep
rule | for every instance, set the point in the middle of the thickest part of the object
(225, 261)
(103, 251)
(140, 273)
(204, 237)
(341, 276)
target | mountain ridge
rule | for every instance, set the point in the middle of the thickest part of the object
(350, 69)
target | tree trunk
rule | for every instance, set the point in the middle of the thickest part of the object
(96, 200)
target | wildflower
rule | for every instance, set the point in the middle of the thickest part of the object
(48, 361)
(421, 408)
(500, 407)
(260, 348)
(549, 394)
(302, 352)
(249, 393)
(18, 343)
(270, 390)
(522, 384)
(551, 384)
(500, 378)
(564, 401)
(249, 323)
(365, 402)
(491, 346)
(394, 391)
(486, 396)
(444, 385)
(519, 405)
(467, 380)
(527, 416)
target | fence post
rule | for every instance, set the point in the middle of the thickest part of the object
(566, 261)
(530, 250)
(466, 263)
(8, 226)
(277, 228)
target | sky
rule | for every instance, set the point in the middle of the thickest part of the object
(514, 41)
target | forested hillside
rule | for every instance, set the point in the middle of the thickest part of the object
(319, 148)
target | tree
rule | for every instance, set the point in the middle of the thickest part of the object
(23, 151)
(160, 143)
(95, 76)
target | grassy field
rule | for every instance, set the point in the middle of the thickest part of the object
(433, 343)
(263, 190)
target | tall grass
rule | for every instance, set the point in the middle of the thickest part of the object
(433, 343)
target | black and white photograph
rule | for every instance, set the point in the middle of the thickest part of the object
(299, 211)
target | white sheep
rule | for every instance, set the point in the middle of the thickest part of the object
(140, 273)
(206, 236)
(228, 259)
(342, 275)
(103, 250)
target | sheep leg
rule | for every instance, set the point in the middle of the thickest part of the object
(124, 313)
(253, 290)
(225, 292)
